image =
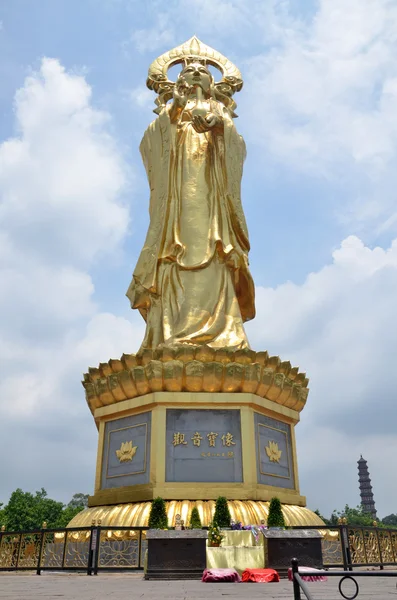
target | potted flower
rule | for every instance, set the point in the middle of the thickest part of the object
(215, 536)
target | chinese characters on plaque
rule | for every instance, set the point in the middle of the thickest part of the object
(197, 438)
(203, 445)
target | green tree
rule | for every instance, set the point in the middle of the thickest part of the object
(195, 521)
(158, 515)
(67, 515)
(354, 516)
(222, 515)
(389, 521)
(2, 515)
(317, 512)
(275, 517)
(27, 511)
(79, 501)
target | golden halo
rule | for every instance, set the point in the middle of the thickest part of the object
(193, 49)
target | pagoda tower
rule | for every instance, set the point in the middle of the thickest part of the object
(366, 493)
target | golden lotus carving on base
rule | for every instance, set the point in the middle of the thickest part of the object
(126, 452)
(273, 452)
(188, 368)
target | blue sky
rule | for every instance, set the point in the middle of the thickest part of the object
(318, 114)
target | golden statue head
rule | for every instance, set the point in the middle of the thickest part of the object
(194, 52)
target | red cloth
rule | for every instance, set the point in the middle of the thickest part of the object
(307, 577)
(221, 575)
(260, 576)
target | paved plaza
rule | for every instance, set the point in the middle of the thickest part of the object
(132, 586)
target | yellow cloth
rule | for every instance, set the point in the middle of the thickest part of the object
(241, 538)
(239, 558)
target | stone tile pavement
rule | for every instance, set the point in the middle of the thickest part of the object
(132, 586)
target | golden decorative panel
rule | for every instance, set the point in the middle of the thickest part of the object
(126, 452)
(249, 512)
(273, 451)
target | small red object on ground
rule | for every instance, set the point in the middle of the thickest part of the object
(260, 576)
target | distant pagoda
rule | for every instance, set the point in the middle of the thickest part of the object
(366, 493)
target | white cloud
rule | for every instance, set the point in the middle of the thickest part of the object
(339, 327)
(61, 183)
(324, 93)
(61, 176)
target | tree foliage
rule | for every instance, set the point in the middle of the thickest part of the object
(27, 511)
(195, 521)
(390, 520)
(222, 515)
(78, 501)
(275, 517)
(158, 515)
(354, 516)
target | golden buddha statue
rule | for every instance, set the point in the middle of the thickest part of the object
(192, 284)
(205, 415)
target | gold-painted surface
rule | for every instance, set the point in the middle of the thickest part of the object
(137, 514)
(29, 550)
(192, 284)
(193, 49)
(273, 451)
(53, 549)
(9, 545)
(387, 551)
(126, 452)
(331, 545)
(357, 546)
(372, 550)
(119, 549)
(197, 369)
(77, 548)
(99, 457)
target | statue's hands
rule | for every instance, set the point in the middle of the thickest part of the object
(181, 92)
(203, 124)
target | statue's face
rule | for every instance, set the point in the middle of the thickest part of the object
(197, 74)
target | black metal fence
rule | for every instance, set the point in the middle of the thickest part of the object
(89, 549)
(98, 548)
(299, 584)
(351, 546)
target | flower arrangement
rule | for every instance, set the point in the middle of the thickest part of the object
(215, 536)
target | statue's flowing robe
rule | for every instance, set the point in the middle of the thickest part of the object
(192, 283)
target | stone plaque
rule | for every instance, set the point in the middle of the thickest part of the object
(203, 446)
(274, 452)
(126, 456)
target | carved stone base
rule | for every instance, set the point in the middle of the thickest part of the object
(281, 546)
(176, 554)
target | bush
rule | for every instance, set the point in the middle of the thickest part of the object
(158, 515)
(275, 517)
(222, 515)
(195, 521)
